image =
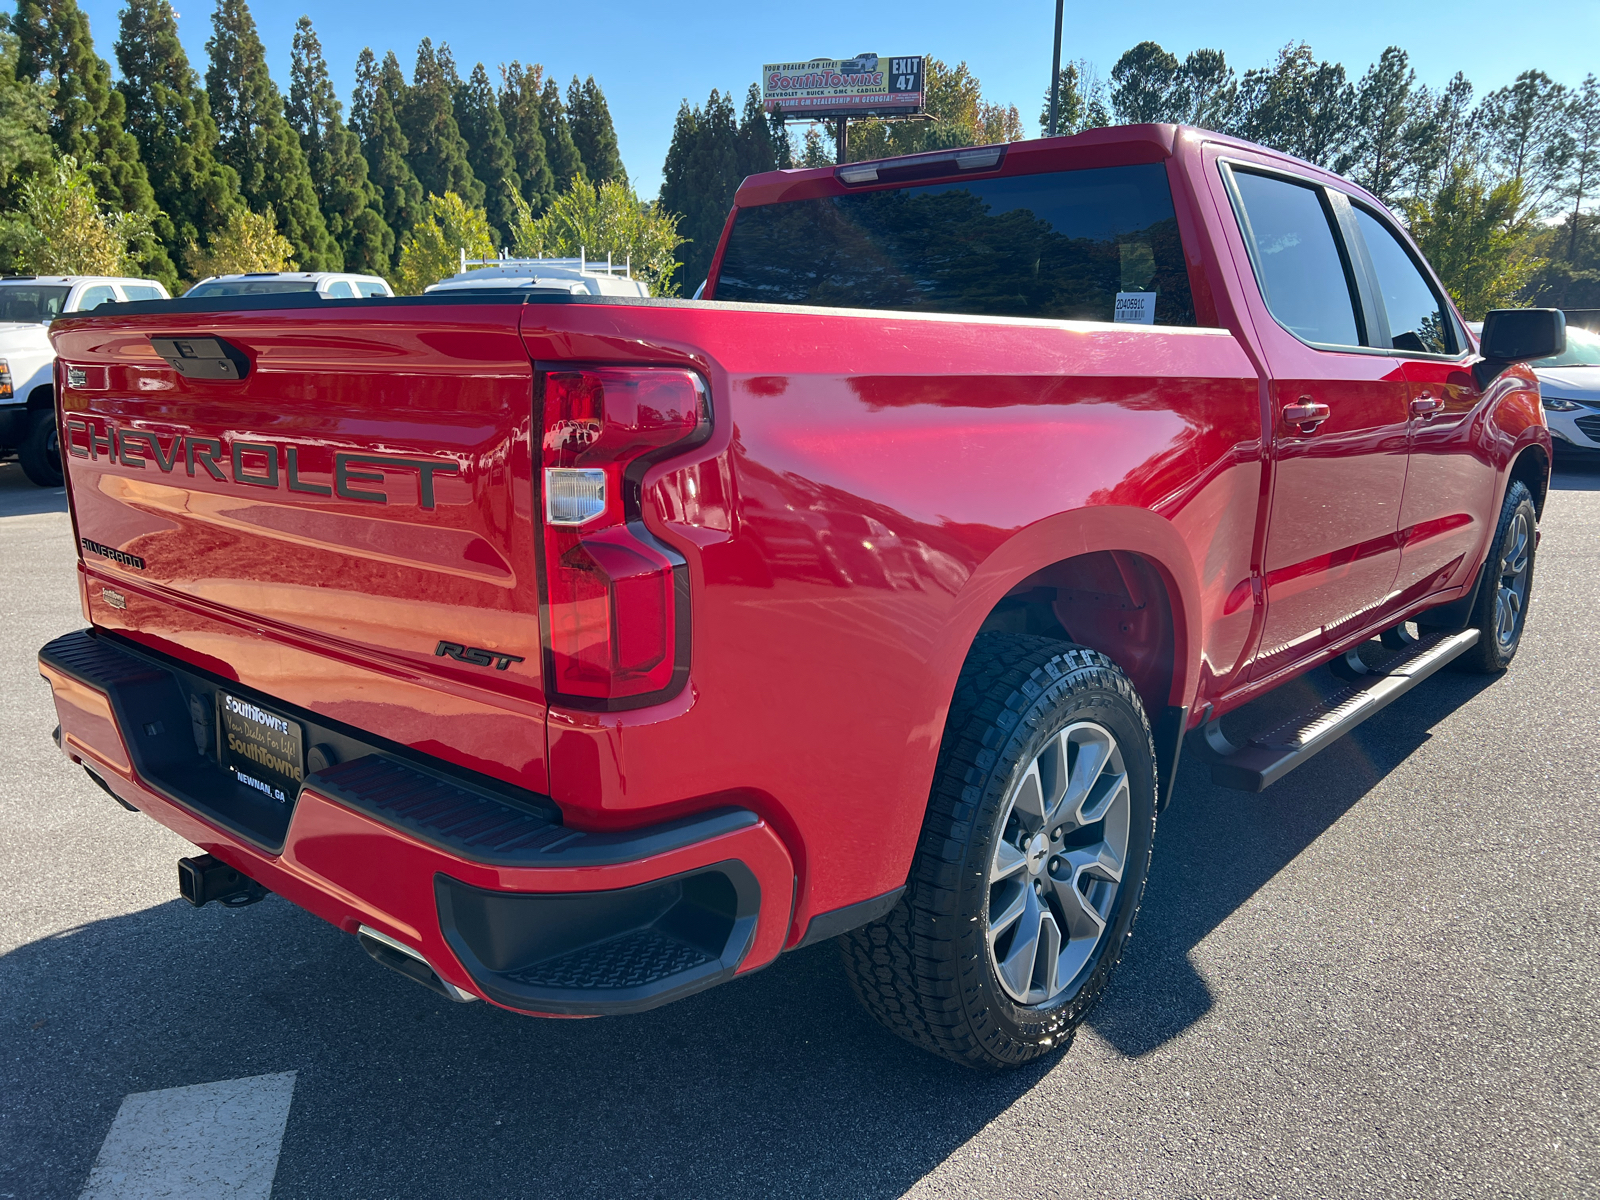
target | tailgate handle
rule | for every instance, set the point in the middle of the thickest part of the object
(202, 357)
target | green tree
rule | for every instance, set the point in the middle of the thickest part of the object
(1475, 235)
(1298, 105)
(489, 150)
(1393, 137)
(1570, 274)
(601, 221)
(438, 153)
(256, 139)
(86, 115)
(1145, 84)
(760, 145)
(566, 164)
(375, 108)
(24, 117)
(1080, 100)
(432, 250)
(352, 207)
(700, 176)
(592, 132)
(62, 227)
(1584, 131)
(815, 151)
(1525, 133)
(522, 110)
(249, 242)
(169, 115)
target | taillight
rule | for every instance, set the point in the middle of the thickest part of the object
(617, 600)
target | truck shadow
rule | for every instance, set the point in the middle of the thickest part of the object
(1575, 472)
(774, 1085)
(1215, 848)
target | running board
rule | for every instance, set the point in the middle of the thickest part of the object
(1270, 756)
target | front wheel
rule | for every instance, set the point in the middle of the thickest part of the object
(1032, 861)
(1500, 611)
(40, 452)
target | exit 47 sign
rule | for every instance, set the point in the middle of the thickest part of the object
(864, 86)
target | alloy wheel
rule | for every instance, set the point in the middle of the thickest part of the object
(1058, 862)
(1512, 595)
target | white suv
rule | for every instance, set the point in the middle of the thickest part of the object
(28, 303)
(329, 285)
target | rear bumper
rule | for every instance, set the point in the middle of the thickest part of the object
(484, 883)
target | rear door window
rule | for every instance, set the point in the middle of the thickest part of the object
(141, 291)
(1419, 321)
(1093, 245)
(95, 296)
(1303, 275)
(340, 289)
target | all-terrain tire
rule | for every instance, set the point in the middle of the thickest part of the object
(925, 970)
(40, 452)
(1497, 645)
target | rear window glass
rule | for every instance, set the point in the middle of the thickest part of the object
(21, 302)
(251, 287)
(1063, 245)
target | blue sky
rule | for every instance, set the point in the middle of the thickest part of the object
(647, 56)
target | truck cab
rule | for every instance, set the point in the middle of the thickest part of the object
(28, 303)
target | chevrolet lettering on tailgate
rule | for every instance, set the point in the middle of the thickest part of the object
(257, 464)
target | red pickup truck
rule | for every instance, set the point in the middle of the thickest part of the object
(578, 654)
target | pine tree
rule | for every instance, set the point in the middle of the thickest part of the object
(1393, 136)
(592, 132)
(169, 115)
(489, 151)
(351, 206)
(1525, 133)
(1297, 105)
(256, 139)
(761, 146)
(565, 162)
(700, 176)
(438, 153)
(522, 110)
(86, 115)
(375, 108)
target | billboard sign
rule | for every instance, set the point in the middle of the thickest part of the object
(863, 86)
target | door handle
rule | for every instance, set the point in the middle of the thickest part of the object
(1306, 413)
(1425, 405)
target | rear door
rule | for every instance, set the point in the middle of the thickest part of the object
(327, 526)
(1340, 415)
(1451, 477)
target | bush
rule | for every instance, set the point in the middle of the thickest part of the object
(61, 228)
(600, 221)
(432, 250)
(249, 242)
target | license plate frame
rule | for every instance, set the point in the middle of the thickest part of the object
(262, 748)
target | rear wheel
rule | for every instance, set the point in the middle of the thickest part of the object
(1500, 611)
(40, 452)
(1032, 861)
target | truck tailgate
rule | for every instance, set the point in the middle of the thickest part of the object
(329, 526)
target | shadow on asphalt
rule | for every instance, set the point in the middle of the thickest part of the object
(775, 1085)
(1215, 848)
(20, 498)
(1576, 472)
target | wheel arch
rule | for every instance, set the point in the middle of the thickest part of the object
(1531, 467)
(42, 397)
(1117, 579)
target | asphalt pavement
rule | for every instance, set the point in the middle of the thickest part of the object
(1378, 978)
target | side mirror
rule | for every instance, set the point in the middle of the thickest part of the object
(1513, 334)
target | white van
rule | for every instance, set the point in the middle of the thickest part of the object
(330, 285)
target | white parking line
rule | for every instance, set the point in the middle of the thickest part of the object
(213, 1139)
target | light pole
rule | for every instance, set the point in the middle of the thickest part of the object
(1055, 72)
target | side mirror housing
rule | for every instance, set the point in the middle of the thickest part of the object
(1516, 334)
(1513, 334)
